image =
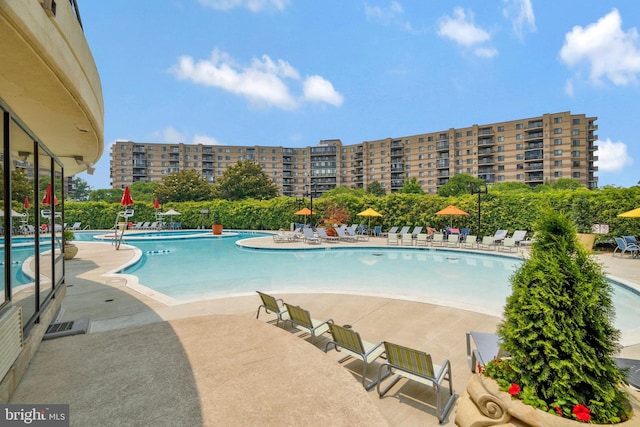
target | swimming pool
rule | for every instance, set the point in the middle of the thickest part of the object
(201, 268)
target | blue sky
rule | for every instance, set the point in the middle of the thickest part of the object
(294, 72)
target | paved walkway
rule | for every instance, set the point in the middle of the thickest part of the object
(211, 363)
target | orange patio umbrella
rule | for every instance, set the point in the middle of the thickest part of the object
(452, 211)
(305, 211)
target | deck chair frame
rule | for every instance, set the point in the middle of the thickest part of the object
(417, 365)
(347, 340)
(270, 303)
(301, 319)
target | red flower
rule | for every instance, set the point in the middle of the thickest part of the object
(582, 412)
(479, 368)
(558, 410)
(514, 389)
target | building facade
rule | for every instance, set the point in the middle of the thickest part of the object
(530, 150)
(52, 121)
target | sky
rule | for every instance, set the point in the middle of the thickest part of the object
(294, 72)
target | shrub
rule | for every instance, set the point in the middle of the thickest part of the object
(558, 330)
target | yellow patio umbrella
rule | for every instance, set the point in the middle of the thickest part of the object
(451, 211)
(369, 213)
(631, 214)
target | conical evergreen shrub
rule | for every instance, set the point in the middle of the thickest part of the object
(558, 329)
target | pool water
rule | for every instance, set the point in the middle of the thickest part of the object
(207, 268)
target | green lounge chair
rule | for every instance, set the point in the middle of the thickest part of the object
(270, 303)
(301, 320)
(347, 340)
(417, 366)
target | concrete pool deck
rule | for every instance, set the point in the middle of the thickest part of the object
(212, 363)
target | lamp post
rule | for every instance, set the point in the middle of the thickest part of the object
(310, 193)
(477, 190)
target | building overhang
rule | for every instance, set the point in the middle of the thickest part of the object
(49, 79)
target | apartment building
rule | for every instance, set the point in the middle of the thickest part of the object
(531, 150)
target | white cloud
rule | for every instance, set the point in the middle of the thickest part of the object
(265, 83)
(252, 5)
(205, 140)
(384, 14)
(612, 156)
(486, 52)
(609, 51)
(462, 30)
(392, 15)
(520, 12)
(171, 136)
(568, 87)
(317, 89)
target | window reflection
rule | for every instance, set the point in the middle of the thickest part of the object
(23, 266)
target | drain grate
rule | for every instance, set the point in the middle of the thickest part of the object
(65, 329)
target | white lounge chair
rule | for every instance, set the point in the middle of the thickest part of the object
(470, 241)
(437, 239)
(308, 237)
(393, 239)
(421, 239)
(508, 245)
(453, 240)
(391, 230)
(342, 235)
(322, 234)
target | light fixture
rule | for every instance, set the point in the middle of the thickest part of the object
(80, 161)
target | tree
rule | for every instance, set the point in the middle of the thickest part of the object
(144, 191)
(341, 190)
(558, 327)
(245, 180)
(109, 195)
(184, 186)
(510, 187)
(566, 184)
(82, 189)
(411, 186)
(459, 184)
(21, 185)
(376, 189)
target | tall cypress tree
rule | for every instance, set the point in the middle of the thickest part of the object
(558, 324)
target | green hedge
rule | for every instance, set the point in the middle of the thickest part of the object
(512, 210)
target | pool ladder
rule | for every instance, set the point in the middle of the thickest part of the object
(121, 226)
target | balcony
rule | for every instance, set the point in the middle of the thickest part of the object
(442, 164)
(534, 177)
(534, 166)
(533, 146)
(443, 174)
(535, 125)
(486, 161)
(442, 145)
(533, 135)
(485, 131)
(486, 141)
(485, 151)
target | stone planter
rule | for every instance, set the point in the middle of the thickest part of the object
(483, 404)
(70, 251)
(587, 240)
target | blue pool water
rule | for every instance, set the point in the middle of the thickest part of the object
(215, 267)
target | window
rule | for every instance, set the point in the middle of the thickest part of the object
(500, 148)
(575, 143)
(557, 174)
(469, 133)
(575, 153)
(469, 142)
(520, 166)
(469, 161)
(575, 163)
(469, 152)
(500, 128)
(575, 132)
(500, 177)
(501, 158)
(518, 125)
(518, 136)
(557, 163)
(501, 138)
(519, 177)
(557, 131)
(500, 168)
(557, 152)
(575, 175)
(557, 120)
(458, 134)
(576, 121)
(557, 141)
(519, 146)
